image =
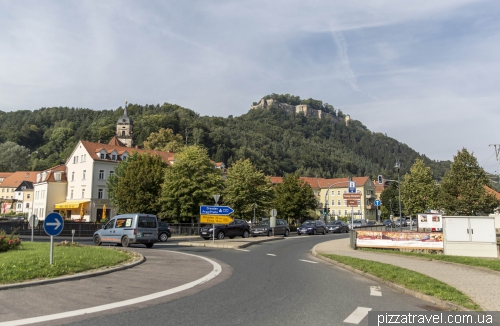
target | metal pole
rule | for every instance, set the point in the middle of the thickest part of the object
(51, 249)
(399, 194)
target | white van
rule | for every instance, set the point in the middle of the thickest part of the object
(128, 229)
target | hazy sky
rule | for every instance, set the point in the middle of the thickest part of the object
(426, 73)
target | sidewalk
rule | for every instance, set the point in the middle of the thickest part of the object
(482, 286)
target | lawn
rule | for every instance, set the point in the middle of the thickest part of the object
(490, 263)
(31, 260)
(409, 279)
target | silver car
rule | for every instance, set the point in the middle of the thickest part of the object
(129, 229)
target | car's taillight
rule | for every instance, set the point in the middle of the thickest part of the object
(135, 231)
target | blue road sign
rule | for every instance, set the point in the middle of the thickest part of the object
(53, 224)
(377, 202)
(215, 210)
(352, 187)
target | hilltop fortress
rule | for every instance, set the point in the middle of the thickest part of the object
(305, 109)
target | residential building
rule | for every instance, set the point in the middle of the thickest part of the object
(49, 188)
(330, 194)
(4, 175)
(23, 196)
(9, 186)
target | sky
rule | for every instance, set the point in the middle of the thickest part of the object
(426, 73)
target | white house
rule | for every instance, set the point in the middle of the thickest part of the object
(49, 188)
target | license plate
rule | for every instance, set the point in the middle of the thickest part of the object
(203, 233)
(147, 234)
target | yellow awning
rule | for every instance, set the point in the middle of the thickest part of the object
(70, 204)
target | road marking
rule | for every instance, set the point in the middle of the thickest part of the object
(308, 261)
(243, 249)
(357, 315)
(271, 255)
(376, 291)
(217, 269)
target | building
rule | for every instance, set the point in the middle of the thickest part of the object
(23, 196)
(49, 188)
(124, 127)
(4, 175)
(9, 186)
(330, 194)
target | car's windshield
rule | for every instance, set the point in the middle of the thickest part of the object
(334, 223)
(307, 223)
(263, 223)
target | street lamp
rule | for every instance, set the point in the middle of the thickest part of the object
(326, 195)
(398, 166)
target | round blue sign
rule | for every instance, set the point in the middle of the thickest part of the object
(53, 224)
(377, 202)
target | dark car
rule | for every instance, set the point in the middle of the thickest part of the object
(371, 223)
(337, 227)
(401, 221)
(237, 228)
(388, 222)
(312, 227)
(163, 231)
(263, 228)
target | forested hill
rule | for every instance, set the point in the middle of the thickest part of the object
(275, 142)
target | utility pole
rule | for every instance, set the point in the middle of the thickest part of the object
(497, 155)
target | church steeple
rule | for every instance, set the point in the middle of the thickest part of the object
(124, 128)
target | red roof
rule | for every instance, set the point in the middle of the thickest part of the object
(14, 180)
(325, 183)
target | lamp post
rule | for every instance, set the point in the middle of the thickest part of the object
(254, 206)
(398, 166)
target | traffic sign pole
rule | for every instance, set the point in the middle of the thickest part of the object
(51, 249)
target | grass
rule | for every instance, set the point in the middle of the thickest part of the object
(31, 260)
(490, 263)
(409, 279)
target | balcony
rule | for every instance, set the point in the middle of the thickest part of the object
(370, 206)
(371, 196)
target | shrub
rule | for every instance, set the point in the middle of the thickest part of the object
(8, 242)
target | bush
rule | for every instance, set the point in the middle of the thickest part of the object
(8, 242)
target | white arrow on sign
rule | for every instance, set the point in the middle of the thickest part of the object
(56, 223)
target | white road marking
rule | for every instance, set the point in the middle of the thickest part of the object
(215, 271)
(357, 315)
(243, 249)
(271, 255)
(376, 291)
(308, 261)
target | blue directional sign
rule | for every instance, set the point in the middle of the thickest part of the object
(352, 187)
(215, 210)
(53, 224)
(377, 202)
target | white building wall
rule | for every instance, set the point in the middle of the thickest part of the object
(78, 181)
(40, 200)
(97, 203)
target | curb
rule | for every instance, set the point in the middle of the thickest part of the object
(438, 302)
(137, 260)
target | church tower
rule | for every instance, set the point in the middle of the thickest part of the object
(124, 128)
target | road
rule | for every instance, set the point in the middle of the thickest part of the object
(272, 283)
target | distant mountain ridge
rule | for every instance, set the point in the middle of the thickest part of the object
(276, 141)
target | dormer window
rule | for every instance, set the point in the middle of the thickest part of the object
(103, 156)
(57, 176)
(38, 177)
(113, 157)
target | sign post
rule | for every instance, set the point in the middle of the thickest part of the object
(215, 215)
(377, 203)
(272, 221)
(53, 225)
(33, 224)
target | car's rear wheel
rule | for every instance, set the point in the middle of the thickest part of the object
(206, 238)
(163, 237)
(97, 240)
(220, 235)
(245, 234)
(125, 241)
(287, 233)
(324, 232)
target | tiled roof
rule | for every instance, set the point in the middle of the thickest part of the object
(5, 174)
(95, 148)
(493, 192)
(116, 142)
(14, 180)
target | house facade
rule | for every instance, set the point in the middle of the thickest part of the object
(49, 189)
(8, 188)
(23, 196)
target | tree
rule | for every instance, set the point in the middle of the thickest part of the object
(389, 199)
(294, 197)
(14, 157)
(419, 189)
(245, 187)
(189, 183)
(164, 140)
(462, 190)
(136, 185)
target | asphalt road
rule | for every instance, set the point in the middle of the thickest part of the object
(272, 283)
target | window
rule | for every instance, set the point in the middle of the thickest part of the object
(338, 192)
(333, 202)
(333, 192)
(101, 174)
(57, 176)
(338, 202)
(73, 176)
(84, 174)
(123, 222)
(27, 205)
(103, 156)
(83, 193)
(359, 212)
(81, 158)
(345, 191)
(340, 212)
(345, 202)
(123, 132)
(99, 193)
(125, 157)
(28, 196)
(345, 212)
(71, 196)
(359, 202)
(113, 157)
(19, 206)
(75, 159)
(111, 173)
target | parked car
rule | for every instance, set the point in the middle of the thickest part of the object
(413, 221)
(312, 227)
(337, 227)
(388, 222)
(399, 222)
(237, 228)
(129, 229)
(371, 223)
(163, 231)
(359, 223)
(264, 228)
